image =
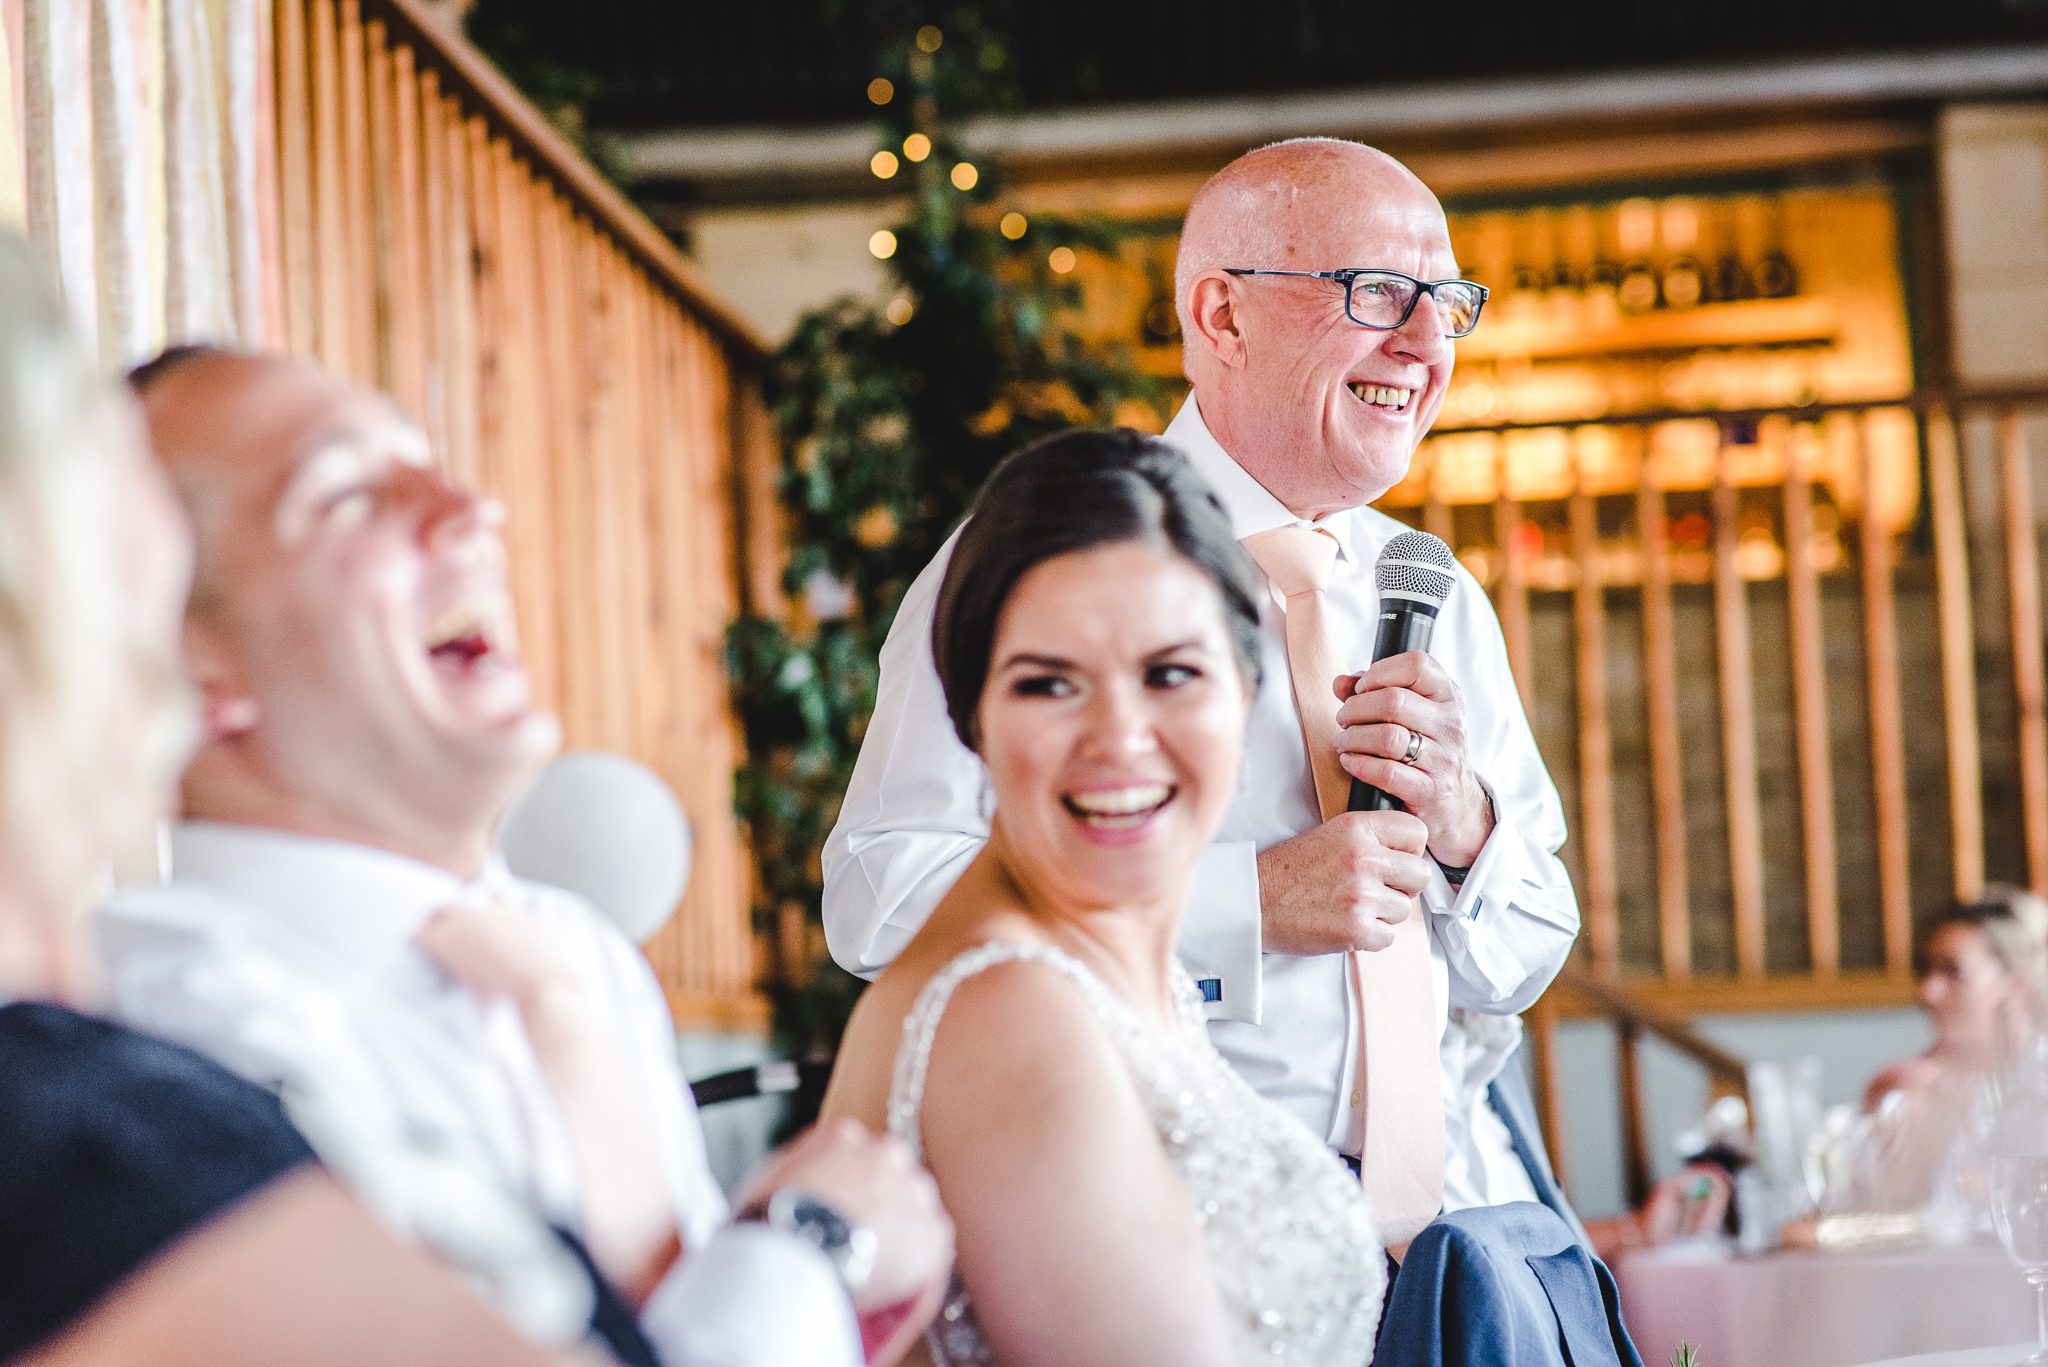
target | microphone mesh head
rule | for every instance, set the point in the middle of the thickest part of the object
(1415, 565)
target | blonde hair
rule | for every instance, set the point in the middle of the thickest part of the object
(66, 655)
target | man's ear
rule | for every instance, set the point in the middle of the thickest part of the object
(226, 707)
(1212, 315)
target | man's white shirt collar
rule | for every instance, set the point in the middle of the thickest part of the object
(356, 906)
(1251, 506)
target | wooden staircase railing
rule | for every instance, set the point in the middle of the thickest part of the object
(1633, 1017)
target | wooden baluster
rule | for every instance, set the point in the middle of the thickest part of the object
(293, 129)
(1511, 597)
(1738, 727)
(1809, 708)
(1958, 654)
(1635, 1130)
(330, 221)
(1887, 728)
(1541, 1023)
(359, 250)
(2030, 689)
(1596, 756)
(407, 233)
(1667, 745)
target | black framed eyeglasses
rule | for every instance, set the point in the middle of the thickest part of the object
(1383, 300)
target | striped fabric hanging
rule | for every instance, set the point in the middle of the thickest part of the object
(126, 319)
(57, 151)
(198, 299)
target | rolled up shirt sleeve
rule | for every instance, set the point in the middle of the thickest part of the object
(753, 1297)
(1220, 943)
(912, 819)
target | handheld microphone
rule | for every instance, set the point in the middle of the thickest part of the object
(1414, 578)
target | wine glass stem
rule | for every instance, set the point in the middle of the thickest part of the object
(2041, 1313)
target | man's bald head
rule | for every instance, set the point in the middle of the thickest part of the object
(1277, 206)
(227, 426)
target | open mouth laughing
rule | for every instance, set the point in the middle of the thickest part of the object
(472, 637)
(1383, 396)
(1119, 809)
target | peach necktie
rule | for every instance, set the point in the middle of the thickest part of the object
(1397, 1107)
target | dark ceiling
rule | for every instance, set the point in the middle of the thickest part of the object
(711, 62)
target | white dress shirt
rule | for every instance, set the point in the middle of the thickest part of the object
(290, 960)
(914, 817)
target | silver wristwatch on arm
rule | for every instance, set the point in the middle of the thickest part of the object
(851, 1248)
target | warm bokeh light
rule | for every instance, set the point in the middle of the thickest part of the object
(916, 147)
(965, 177)
(882, 244)
(1061, 259)
(881, 90)
(929, 38)
(899, 310)
(1013, 225)
(883, 164)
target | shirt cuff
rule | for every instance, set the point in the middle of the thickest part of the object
(1465, 902)
(753, 1297)
(1222, 937)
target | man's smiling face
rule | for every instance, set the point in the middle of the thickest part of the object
(349, 591)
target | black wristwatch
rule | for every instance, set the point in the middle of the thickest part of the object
(850, 1247)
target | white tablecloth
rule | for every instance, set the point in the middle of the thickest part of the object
(1820, 1309)
(2009, 1355)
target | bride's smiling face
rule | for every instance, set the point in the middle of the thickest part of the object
(1111, 723)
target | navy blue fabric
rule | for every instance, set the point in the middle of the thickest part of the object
(113, 1146)
(1511, 1101)
(1503, 1286)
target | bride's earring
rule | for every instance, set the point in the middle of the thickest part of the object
(985, 805)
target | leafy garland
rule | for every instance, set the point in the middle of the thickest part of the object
(892, 413)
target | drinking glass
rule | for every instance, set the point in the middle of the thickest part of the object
(2019, 1211)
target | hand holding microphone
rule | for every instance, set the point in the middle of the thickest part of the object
(1346, 883)
(1404, 733)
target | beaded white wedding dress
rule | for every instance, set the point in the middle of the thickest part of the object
(1298, 1264)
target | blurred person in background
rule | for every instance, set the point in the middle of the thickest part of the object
(488, 1062)
(1983, 968)
(153, 1207)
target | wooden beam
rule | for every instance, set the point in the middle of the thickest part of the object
(1809, 706)
(1887, 727)
(1511, 595)
(1738, 728)
(1596, 751)
(2030, 688)
(1667, 743)
(1958, 654)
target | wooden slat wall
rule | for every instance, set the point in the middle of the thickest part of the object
(1761, 876)
(439, 243)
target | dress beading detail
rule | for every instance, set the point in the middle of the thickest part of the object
(1291, 1242)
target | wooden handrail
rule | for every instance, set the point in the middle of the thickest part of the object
(465, 69)
(1627, 1008)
